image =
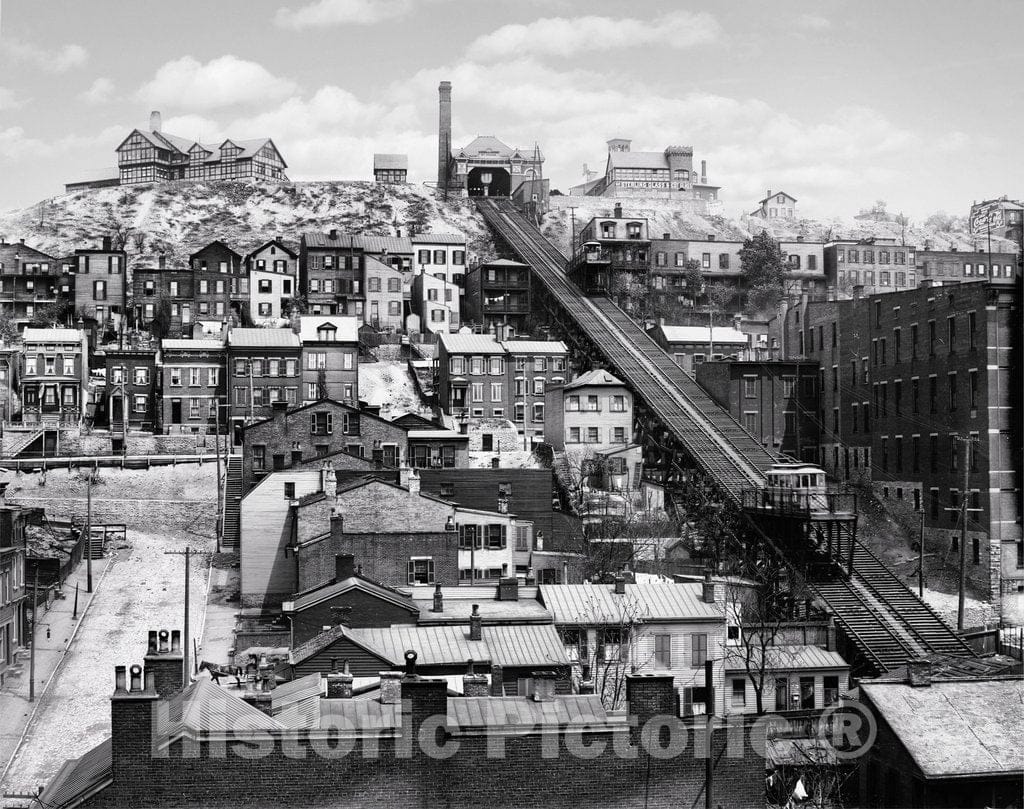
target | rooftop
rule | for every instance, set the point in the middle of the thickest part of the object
(597, 377)
(958, 727)
(346, 329)
(193, 345)
(390, 161)
(439, 238)
(535, 347)
(470, 343)
(263, 338)
(784, 658)
(593, 604)
(700, 334)
(54, 335)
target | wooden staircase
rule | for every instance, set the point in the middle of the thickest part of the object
(232, 502)
(16, 443)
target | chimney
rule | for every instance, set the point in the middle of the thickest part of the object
(161, 261)
(711, 237)
(132, 714)
(398, 233)
(339, 683)
(618, 210)
(414, 482)
(703, 172)
(544, 686)
(475, 624)
(666, 236)
(107, 244)
(438, 599)
(919, 672)
(497, 681)
(444, 132)
(391, 687)
(344, 566)
(508, 589)
(620, 585)
(768, 193)
(648, 696)
(328, 480)
(708, 588)
(403, 476)
(164, 659)
(333, 235)
(565, 569)
(427, 700)
(473, 684)
(154, 121)
(587, 683)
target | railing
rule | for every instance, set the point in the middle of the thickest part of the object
(780, 500)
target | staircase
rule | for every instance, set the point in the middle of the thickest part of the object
(16, 443)
(232, 502)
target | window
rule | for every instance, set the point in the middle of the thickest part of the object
(750, 421)
(574, 435)
(141, 403)
(738, 697)
(698, 649)
(175, 377)
(952, 390)
(663, 651)
(538, 412)
(749, 387)
(807, 693)
(951, 333)
(619, 435)
(496, 391)
(540, 364)
(321, 423)
(593, 435)
(194, 377)
(476, 392)
(259, 457)
(572, 403)
(781, 693)
(933, 394)
(496, 536)
(421, 570)
(723, 261)
(289, 490)
(972, 379)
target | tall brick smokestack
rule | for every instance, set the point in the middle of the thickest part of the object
(444, 131)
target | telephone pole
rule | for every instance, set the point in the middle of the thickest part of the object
(32, 655)
(186, 672)
(216, 440)
(965, 441)
(88, 532)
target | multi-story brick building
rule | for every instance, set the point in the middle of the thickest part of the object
(193, 384)
(775, 401)
(481, 377)
(131, 385)
(221, 285)
(692, 345)
(12, 583)
(876, 264)
(903, 378)
(101, 287)
(331, 273)
(952, 266)
(56, 373)
(498, 293)
(330, 358)
(30, 279)
(385, 295)
(264, 368)
(165, 295)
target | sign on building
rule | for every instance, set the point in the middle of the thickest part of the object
(986, 216)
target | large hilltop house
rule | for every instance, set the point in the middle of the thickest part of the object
(157, 156)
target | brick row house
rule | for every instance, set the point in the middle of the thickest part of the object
(906, 381)
(13, 595)
(56, 372)
(264, 368)
(132, 382)
(193, 386)
(330, 358)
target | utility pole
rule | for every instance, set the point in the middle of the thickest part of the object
(32, 655)
(920, 559)
(251, 405)
(709, 759)
(965, 441)
(572, 245)
(88, 532)
(186, 641)
(216, 441)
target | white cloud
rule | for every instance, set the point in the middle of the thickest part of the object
(186, 83)
(8, 99)
(564, 36)
(813, 22)
(100, 92)
(48, 59)
(342, 12)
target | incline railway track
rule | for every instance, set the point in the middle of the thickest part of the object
(876, 611)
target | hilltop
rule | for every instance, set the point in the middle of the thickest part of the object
(179, 218)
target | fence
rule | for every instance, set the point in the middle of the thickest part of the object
(96, 461)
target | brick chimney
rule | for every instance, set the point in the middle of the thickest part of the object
(414, 483)
(508, 589)
(473, 684)
(107, 244)
(165, 660)
(161, 261)
(618, 210)
(132, 724)
(390, 687)
(650, 695)
(328, 479)
(476, 624)
(154, 121)
(497, 681)
(344, 566)
(544, 686)
(620, 585)
(427, 699)
(333, 234)
(708, 588)
(339, 683)
(919, 672)
(438, 605)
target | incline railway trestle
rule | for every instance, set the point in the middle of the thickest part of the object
(881, 620)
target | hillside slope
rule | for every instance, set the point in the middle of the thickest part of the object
(179, 218)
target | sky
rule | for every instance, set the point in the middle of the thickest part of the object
(838, 102)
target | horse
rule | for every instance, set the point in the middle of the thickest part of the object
(217, 671)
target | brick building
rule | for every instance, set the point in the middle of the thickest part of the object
(776, 402)
(12, 584)
(498, 293)
(101, 286)
(331, 269)
(167, 294)
(264, 368)
(944, 267)
(30, 279)
(221, 283)
(625, 239)
(56, 373)
(668, 173)
(902, 377)
(132, 382)
(155, 725)
(193, 381)
(692, 345)
(330, 358)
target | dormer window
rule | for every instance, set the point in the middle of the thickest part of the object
(607, 230)
(634, 230)
(326, 333)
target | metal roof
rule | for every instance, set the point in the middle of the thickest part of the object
(956, 728)
(699, 334)
(383, 160)
(470, 344)
(491, 712)
(535, 346)
(456, 610)
(347, 328)
(51, 336)
(312, 597)
(785, 658)
(527, 645)
(447, 434)
(194, 345)
(297, 703)
(360, 714)
(596, 377)
(596, 604)
(434, 645)
(204, 706)
(439, 238)
(78, 777)
(263, 338)
(384, 244)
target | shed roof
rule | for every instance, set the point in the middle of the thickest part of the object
(637, 160)
(491, 712)
(956, 728)
(470, 344)
(785, 658)
(320, 594)
(597, 377)
(596, 604)
(78, 777)
(31, 335)
(193, 345)
(535, 346)
(263, 338)
(385, 244)
(384, 160)
(699, 334)
(346, 328)
(439, 238)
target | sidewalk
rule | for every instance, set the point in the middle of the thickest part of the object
(16, 710)
(218, 638)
